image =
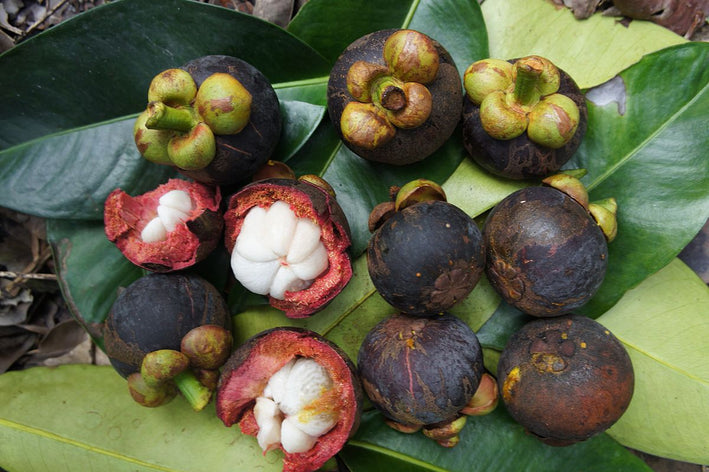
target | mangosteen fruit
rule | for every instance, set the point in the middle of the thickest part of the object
(565, 379)
(164, 332)
(395, 96)
(295, 391)
(169, 228)
(216, 119)
(427, 254)
(422, 372)
(288, 240)
(546, 255)
(523, 118)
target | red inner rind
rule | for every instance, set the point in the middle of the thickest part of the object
(126, 216)
(335, 237)
(246, 374)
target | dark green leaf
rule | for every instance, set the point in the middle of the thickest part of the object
(97, 66)
(70, 175)
(650, 153)
(490, 442)
(90, 269)
(458, 26)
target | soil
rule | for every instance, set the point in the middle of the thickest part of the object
(36, 327)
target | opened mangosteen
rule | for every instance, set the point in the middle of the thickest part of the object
(295, 391)
(216, 119)
(565, 379)
(170, 228)
(288, 239)
(546, 254)
(394, 96)
(167, 333)
(425, 373)
(426, 254)
(522, 118)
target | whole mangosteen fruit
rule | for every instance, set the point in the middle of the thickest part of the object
(395, 96)
(546, 255)
(422, 372)
(170, 228)
(216, 119)
(427, 254)
(295, 391)
(522, 118)
(289, 240)
(166, 331)
(565, 379)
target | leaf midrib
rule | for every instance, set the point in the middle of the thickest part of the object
(396, 455)
(642, 144)
(97, 450)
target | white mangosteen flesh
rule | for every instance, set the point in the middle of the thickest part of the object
(173, 209)
(288, 412)
(277, 252)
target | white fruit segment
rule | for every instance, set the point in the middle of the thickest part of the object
(173, 208)
(287, 412)
(277, 252)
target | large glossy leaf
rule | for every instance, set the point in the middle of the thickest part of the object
(647, 148)
(69, 175)
(591, 51)
(97, 66)
(324, 29)
(664, 324)
(79, 417)
(490, 442)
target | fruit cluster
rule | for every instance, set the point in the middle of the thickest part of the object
(395, 96)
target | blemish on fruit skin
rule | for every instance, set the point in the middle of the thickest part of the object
(510, 381)
(564, 336)
(583, 345)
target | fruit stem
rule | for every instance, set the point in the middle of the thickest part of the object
(161, 116)
(389, 93)
(197, 395)
(529, 73)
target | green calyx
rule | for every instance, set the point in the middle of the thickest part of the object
(181, 120)
(519, 97)
(392, 96)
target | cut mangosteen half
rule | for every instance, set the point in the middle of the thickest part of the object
(288, 240)
(170, 228)
(295, 391)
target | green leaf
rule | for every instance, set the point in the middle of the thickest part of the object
(490, 442)
(652, 159)
(74, 75)
(69, 175)
(457, 26)
(79, 417)
(664, 325)
(591, 51)
(90, 270)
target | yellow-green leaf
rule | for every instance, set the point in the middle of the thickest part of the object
(591, 51)
(664, 324)
(81, 417)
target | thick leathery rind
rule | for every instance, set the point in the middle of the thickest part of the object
(246, 374)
